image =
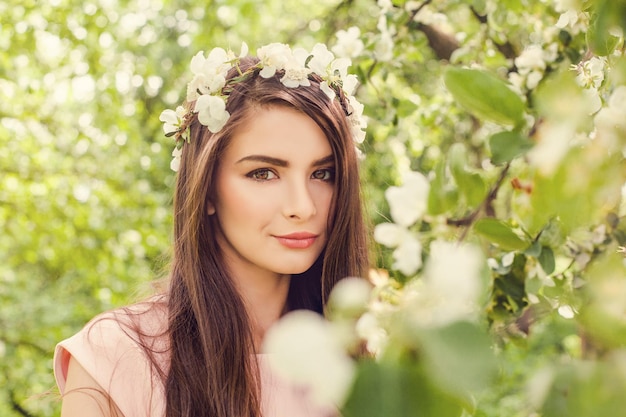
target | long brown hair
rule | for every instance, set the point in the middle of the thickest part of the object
(213, 369)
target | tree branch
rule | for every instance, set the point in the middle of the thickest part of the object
(507, 49)
(17, 407)
(486, 205)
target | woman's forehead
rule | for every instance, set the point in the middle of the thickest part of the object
(279, 131)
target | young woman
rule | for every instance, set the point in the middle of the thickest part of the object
(267, 218)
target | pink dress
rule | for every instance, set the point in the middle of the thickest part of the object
(110, 353)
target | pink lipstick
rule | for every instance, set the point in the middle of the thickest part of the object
(298, 240)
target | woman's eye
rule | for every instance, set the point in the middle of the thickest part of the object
(263, 174)
(325, 174)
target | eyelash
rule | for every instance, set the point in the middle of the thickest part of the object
(328, 172)
(254, 174)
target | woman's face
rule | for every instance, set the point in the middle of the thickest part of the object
(274, 187)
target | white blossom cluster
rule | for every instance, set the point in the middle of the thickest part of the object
(407, 205)
(303, 349)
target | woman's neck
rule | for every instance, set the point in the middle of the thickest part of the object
(265, 303)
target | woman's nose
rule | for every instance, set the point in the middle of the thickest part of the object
(299, 201)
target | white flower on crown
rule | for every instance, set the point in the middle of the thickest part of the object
(231, 55)
(273, 58)
(175, 164)
(172, 120)
(358, 123)
(350, 82)
(333, 70)
(296, 73)
(209, 73)
(211, 112)
(321, 60)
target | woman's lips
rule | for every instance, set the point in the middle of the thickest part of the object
(298, 240)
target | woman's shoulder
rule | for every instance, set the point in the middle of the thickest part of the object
(145, 319)
(143, 324)
(118, 347)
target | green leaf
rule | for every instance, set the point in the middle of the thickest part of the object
(506, 146)
(405, 108)
(608, 14)
(534, 249)
(398, 390)
(485, 95)
(501, 234)
(599, 316)
(586, 388)
(546, 260)
(446, 352)
(469, 183)
(442, 196)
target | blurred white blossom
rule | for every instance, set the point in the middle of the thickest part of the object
(573, 20)
(554, 142)
(408, 202)
(426, 16)
(532, 63)
(350, 294)
(385, 5)
(451, 286)
(349, 43)
(303, 349)
(384, 47)
(592, 97)
(610, 121)
(566, 312)
(590, 72)
(369, 329)
(384, 44)
(407, 255)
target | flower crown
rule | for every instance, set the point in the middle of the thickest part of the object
(210, 89)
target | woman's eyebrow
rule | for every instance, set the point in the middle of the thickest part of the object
(324, 161)
(266, 159)
(281, 162)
